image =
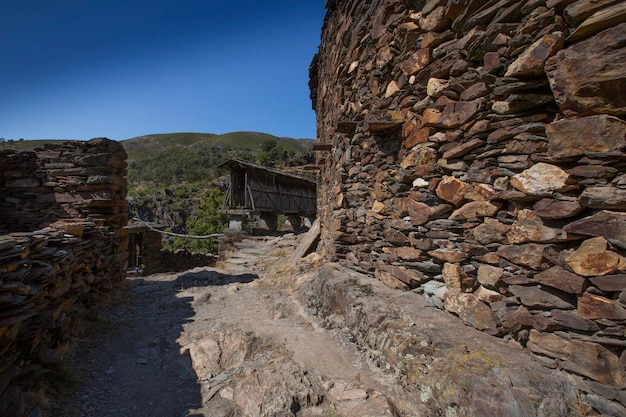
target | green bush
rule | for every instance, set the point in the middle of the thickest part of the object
(205, 220)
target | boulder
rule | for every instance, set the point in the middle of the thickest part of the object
(610, 283)
(475, 209)
(452, 190)
(490, 276)
(530, 254)
(534, 231)
(456, 279)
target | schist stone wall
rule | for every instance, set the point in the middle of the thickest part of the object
(62, 245)
(473, 151)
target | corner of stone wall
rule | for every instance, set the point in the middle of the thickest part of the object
(477, 157)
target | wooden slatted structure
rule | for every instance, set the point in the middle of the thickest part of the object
(255, 189)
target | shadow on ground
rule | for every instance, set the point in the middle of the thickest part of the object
(131, 362)
(205, 278)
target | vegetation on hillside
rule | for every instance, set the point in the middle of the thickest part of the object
(167, 160)
(175, 178)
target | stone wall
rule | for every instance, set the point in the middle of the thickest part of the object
(62, 246)
(473, 151)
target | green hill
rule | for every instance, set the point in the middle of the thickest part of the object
(166, 160)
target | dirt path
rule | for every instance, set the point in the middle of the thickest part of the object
(223, 341)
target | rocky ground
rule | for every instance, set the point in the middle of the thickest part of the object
(229, 340)
(257, 335)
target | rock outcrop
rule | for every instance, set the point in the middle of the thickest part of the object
(473, 152)
(62, 245)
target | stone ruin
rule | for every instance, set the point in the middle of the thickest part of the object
(63, 244)
(473, 152)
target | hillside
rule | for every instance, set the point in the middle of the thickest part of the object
(165, 160)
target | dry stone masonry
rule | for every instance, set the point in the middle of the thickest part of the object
(473, 151)
(62, 245)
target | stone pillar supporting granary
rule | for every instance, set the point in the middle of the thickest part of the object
(473, 151)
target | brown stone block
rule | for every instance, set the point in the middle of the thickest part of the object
(561, 279)
(408, 253)
(604, 197)
(395, 237)
(599, 21)
(451, 255)
(416, 136)
(457, 113)
(541, 179)
(544, 298)
(452, 190)
(580, 10)
(573, 137)
(594, 258)
(608, 224)
(475, 209)
(463, 148)
(532, 61)
(530, 254)
(399, 277)
(572, 321)
(610, 283)
(486, 295)
(591, 306)
(592, 88)
(490, 231)
(492, 62)
(472, 311)
(417, 61)
(456, 280)
(589, 359)
(490, 276)
(515, 318)
(534, 231)
(436, 20)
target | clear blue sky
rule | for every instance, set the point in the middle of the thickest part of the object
(78, 69)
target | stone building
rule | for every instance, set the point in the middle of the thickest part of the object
(473, 152)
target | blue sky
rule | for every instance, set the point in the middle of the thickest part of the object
(78, 69)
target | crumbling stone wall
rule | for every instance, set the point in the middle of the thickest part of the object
(62, 245)
(473, 151)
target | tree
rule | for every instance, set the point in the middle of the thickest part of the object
(270, 152)
(205, 220)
